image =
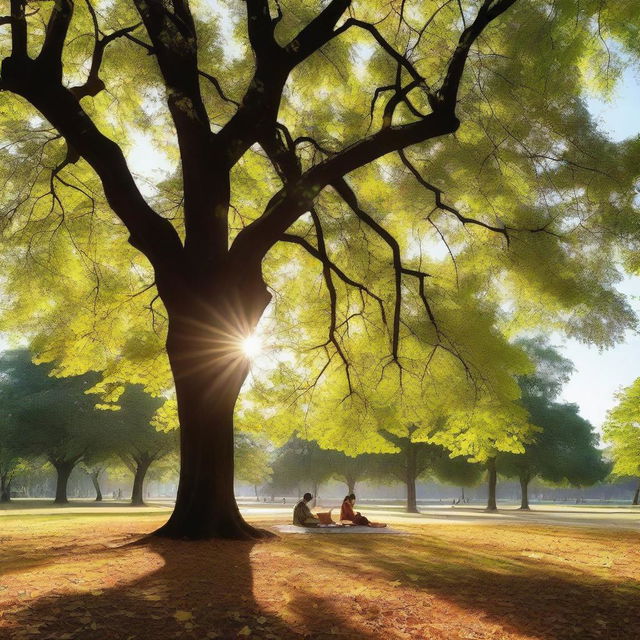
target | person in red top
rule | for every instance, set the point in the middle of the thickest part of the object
(349, 516)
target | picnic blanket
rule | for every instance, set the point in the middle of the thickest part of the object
(292, 528)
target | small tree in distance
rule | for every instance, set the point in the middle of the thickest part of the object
(51, 417)
(134, 438)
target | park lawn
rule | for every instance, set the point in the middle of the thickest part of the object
(76, 576)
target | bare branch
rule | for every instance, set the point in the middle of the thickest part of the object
(93, 84)
(309, 248)
(333, 297)
(217, 87)
(347, 194)
(445, 207)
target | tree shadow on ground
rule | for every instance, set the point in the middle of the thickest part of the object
(522, 595)
(190, 590)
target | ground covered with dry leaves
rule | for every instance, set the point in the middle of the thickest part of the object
(75, 576)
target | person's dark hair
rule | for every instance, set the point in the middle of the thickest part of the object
(346, 498)
(307, 496)
(352, 496)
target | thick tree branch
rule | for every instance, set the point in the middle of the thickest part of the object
(51, 53)
(489, 11)
(18, 29)
(289, 204)
(318, 32)
(172, 32)
(93, 84)
(260, 27)
(154, 236)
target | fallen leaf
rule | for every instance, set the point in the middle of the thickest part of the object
(183, 616)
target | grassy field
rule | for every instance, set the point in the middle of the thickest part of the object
(72, 574)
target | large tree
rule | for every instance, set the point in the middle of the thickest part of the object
(278, 143)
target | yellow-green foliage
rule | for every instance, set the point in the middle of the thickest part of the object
(622, 431)
(527, 158)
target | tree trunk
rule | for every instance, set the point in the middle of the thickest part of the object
(209, 368)
(636, 495)
(63, 470)
(462, 494)
(351, 487)
(315, 494)
(524, 491)
(142, 466)
(493, 481)
(255, 488)
(410, 478)
(5, 488)
(95, 478)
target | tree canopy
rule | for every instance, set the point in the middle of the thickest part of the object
(393, 189)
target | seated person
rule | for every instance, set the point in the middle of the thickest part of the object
(349, 516)
(302, 515)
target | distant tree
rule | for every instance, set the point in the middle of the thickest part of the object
(458, 471)
(252, 460)
(350, 469)
(622, 433)
(134, 437)
(51, 417)
(564, 449)
(414, 459)
(164, 470)
(94, 466)
(302, 462)
(10, 460)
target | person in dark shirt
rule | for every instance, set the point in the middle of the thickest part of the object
(302, 515)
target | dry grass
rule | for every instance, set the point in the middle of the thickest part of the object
(73, 576)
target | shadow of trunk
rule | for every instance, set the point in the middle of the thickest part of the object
(192, 590)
